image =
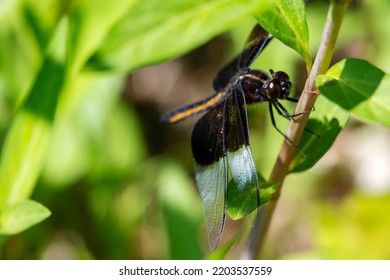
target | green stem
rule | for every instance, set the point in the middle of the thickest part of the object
(296, 127)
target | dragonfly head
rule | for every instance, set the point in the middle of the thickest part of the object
(279, 85)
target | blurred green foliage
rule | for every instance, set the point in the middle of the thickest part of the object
(81, 139)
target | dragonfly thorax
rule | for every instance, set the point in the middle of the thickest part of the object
(253, 84)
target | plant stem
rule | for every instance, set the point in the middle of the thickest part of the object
(295, 130)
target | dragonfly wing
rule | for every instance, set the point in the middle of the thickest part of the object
(208, 147)
(257, 40)
(240, 158)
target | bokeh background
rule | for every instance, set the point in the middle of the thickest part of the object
(120, 184)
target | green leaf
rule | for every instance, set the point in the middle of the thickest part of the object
(144, 37)
(238, 202)
(286, 20)
(359, 87)
(29, 134)
(324, 124)
(22, 157)
(266, 191)
(26, 28)
(21, 216)
(90, 21)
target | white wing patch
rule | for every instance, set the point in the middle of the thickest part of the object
(244, 175)
(242, 167)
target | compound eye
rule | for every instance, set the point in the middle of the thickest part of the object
(273, 90)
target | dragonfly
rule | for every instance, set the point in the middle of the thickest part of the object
(220, 138)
